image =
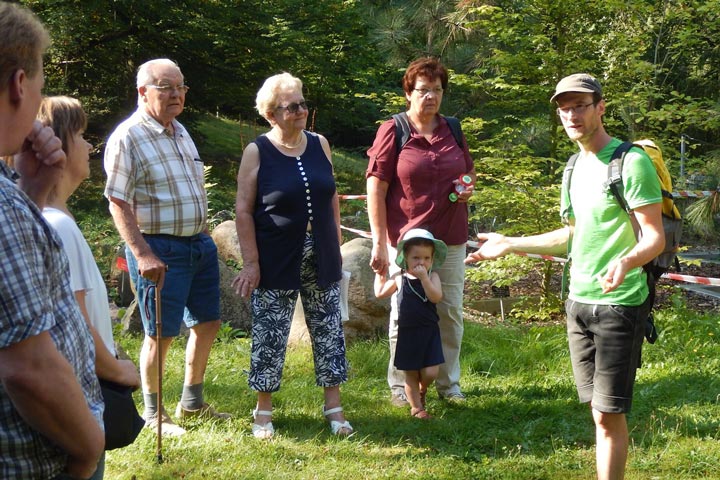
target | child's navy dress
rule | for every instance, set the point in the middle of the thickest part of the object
(418, 340)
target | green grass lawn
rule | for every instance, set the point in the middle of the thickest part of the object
(521, 421)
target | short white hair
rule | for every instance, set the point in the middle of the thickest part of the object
(266, 99)
(145, 74)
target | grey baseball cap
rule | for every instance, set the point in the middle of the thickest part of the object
(577, 82)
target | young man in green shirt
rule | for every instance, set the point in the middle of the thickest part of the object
(608, 300)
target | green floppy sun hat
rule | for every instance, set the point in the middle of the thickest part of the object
(440, 247)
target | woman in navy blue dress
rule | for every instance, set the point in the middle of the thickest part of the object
(288, 226)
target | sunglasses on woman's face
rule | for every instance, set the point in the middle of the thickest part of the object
(294, 107)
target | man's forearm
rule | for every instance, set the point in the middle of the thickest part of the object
(550, 243)
(127, 227)
(45, 392)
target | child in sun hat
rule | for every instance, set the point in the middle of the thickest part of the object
(419, 350)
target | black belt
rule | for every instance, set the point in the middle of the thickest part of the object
(167, 236)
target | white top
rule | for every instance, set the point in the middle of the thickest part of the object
(84, 273)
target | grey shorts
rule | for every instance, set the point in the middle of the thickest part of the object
(605, 346)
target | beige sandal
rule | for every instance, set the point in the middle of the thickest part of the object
(338, 428)
(262, 432)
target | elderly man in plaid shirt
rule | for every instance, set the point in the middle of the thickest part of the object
(157, 197)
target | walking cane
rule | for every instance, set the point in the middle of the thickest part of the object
(158, 332)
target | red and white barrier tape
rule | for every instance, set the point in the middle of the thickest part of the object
(692, 279)
(543, 257)
(693, 193)
(679, 193)
(362, 233)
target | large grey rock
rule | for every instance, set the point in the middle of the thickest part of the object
(298, 329)
(226, 240)
(368, 314)
(131, 321)
(233, 309)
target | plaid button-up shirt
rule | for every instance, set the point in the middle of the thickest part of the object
(35, 297)
(159, 174)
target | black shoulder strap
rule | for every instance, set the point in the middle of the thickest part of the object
(402, 130)
(614, 179)
(567, 173)
(456, 130)
(565, 187)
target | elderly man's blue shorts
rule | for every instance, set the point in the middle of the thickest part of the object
(191, 292)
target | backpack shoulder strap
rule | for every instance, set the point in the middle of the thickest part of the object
(566, 179)
(402, 131)
(614, 178)
(456, 129)
(567, 173)
(571, 164)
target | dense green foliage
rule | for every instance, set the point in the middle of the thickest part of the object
(657, 61)
(522, 420)
(225, 49)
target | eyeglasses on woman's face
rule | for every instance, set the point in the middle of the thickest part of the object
(293, 107)
(578, 109)
(424, 92)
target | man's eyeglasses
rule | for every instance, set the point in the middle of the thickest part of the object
(169, 88)
(577, 109)
(294, 107)
(424, 92)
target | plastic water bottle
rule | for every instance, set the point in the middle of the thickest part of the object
(463, 182)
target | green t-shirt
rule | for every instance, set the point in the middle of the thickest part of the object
(603, 231)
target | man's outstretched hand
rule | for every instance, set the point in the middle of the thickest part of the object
(492, 246)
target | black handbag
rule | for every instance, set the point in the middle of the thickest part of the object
(121, 418)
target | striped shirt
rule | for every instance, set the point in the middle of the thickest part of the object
(159, 174)
(35, 297)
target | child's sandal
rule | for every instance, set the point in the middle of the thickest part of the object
(420, 413)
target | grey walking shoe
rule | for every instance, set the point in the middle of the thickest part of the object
(399, 399)
(169, 428)
(453, 397)
(205, 412)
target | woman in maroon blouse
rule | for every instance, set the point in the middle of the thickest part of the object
(288, 225)
(411, 189)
